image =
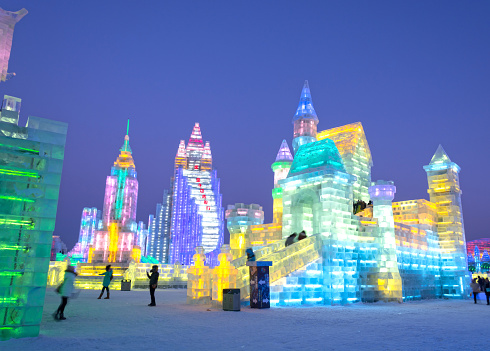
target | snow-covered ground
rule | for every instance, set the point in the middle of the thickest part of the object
(125, 322)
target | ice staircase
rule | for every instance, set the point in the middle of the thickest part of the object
(302, 287)
(285, 260)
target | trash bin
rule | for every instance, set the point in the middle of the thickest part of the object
(126, 285)
(231, 299)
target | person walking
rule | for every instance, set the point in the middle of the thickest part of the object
(486, 290)
(153, 283)
(107, 281)
(65, 290)
(475, 287)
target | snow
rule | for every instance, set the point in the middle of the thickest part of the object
(125, 322)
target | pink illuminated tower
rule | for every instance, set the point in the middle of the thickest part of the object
(117, 241)
(7, 23)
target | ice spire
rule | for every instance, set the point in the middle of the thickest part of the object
(195, 149)
(284, 153)
(181, 150)
(195, 141)
(207, 158)
(126, 146)
(440, 157)
(181, 157)
(305, 106)
(207, 151)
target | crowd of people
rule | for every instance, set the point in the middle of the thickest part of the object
(66, 288)
(479, 285)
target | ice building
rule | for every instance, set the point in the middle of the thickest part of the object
(239, 217)
(8, 20)
(30, 175)
(197, 213)
(88, 225)
(117, 239)
(390, 251)
(159, 230)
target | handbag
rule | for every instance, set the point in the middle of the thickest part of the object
(58, 289)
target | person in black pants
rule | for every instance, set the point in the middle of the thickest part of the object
(153, 283)
(486, 290)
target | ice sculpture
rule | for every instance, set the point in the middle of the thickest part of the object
(238, 219)
(444, 191)
(159, 230)
(389, 283)
(280, 167)
(356, 155)
(197, 213)
(116, 241)
(305, 120)
(406, 250)
(8, 20)
(224, 276)
(199, 279)
(30, 175)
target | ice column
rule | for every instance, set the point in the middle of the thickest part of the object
(389, 283)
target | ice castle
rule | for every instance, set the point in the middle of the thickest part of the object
(361, 245)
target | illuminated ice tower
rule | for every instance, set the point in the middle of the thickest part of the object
(117, 240)
(88, 226)
(197, 213)
(388, 280)
(7, 23)
(444, 191)
(305, 120)
(281, 167)
(30, 174)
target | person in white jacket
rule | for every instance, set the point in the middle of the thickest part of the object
(65, 290)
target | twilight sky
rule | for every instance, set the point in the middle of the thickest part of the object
(415, 73)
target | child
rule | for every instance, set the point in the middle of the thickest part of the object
(65, 290)
(107, 280)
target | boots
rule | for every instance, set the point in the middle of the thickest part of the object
(105, 298)
(100, 296)
(62, 317)
(56, 316)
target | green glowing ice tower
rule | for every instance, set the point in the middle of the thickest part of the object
(30, 173)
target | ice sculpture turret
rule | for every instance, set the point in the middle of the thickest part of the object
(387, 278)
(444, 191)
(305, 120)
(280, 167)
(239, 217)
